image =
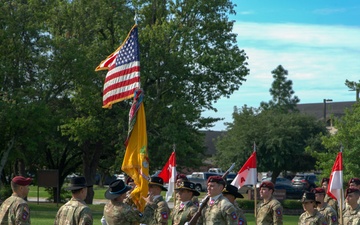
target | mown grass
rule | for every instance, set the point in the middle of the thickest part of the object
(44, 214)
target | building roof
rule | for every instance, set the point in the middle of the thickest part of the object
(336, 109)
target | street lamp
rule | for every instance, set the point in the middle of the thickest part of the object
(325, 101)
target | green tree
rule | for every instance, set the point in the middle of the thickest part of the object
(346, 136)
(280, 138)
(353, 86)
(281, 92)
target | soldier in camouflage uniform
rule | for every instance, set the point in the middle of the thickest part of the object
(269, 210)
(355, 183)
(186, 209)
(15, 210)
(327, 211)
(179, 179)
(75, 211)
(330, 201)
(311, 215)
(118, 212)
(162, 213)
(231, 192)
(352, 212)
(218, 210)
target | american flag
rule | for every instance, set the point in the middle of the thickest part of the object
(123, 77)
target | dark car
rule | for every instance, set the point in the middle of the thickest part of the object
(230, 177)
(291, 191)
(304, 181)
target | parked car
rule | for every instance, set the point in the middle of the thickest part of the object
(291, 191)
(301, 181)
(230, 177)
(200, 179)
(279, 180)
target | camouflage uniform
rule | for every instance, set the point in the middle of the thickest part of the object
(180, 215)
(269, 213)
(220, 212)
(74, 212)
(329, 213)
(240, 215)
(161, 214)
(316, 219)
(332, 202)
(14, 210)
(352, 217)
(122, 213)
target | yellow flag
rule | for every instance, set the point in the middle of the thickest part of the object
(136, 161)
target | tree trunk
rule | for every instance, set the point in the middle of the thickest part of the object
(5, 156)
(91, 157)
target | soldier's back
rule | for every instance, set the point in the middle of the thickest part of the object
(14, 210)
(74, 212)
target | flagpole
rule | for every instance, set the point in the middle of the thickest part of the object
(255, 191)
(174, 194)
(341, 194)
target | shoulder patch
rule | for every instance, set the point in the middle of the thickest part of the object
(164, 215)
(324, 223)
(241, 221)
(334, 218)
(233, 215)
(140, 214)
(278, 212)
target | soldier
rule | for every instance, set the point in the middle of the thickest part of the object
(186, 209)
(130, 182)
(15, 210)
(311, 215)
(330, 201)
(179, 179)
(352, 213)
(355, 183)
(218, 209)
(269, 211)
(327, 211)
(161, 214)
(231, 192)
(75, 211)
(118, 212)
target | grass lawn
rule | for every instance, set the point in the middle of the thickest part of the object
(44, 214)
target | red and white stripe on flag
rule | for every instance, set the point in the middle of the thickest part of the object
(123, 77)
(335, 186)
(247, 175)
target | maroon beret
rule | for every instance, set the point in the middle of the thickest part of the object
(351, 190)
(181, 176)
(20, 180)
(216, 179)
(267, 184)
(354, 180)
(325, 179)
(129, 179)
(319, 190)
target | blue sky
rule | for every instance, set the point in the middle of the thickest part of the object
(318, 42)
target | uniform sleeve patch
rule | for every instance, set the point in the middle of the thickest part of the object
(324, 223)
(334, 218)
(278, 212)
(25, 213)
(140, 214)
(164, 215)
(241, 222)
(233, 215)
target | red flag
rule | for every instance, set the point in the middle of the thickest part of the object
(335, 186)
(123, 76)
(168, 174)
(247, 174)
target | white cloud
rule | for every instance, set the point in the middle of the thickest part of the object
(318, 59)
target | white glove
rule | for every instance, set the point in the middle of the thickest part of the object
(186, 223)
(103, 221)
